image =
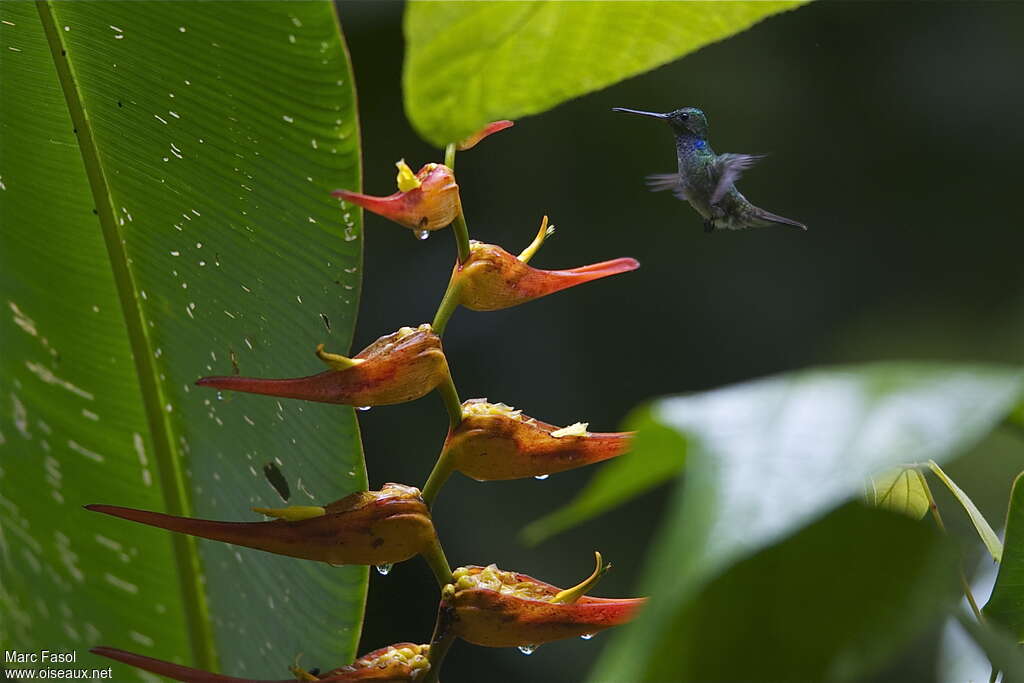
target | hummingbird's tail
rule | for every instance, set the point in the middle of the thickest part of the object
(765, 218)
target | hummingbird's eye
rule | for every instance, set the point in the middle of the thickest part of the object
(683, 117)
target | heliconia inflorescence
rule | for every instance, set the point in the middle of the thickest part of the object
(486, 441)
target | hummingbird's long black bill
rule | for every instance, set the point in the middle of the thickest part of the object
(642, 113)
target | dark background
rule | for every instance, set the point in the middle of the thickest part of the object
(894, 133)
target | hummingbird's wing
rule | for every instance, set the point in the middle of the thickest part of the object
(657, 182)
(728, 168)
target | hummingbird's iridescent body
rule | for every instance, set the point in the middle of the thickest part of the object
(707, 180)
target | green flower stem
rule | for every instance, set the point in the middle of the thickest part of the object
(459, 226)
(448, 304)
(434, 555)
(443, 467)
(438, 476)
(461, 234)
(450, 396)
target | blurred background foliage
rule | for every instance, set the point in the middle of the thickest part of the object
(891, 133)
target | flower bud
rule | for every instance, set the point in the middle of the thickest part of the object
(396, 663)
(398, 367)
(492, 279)
(495, 442)
(487, 130)
(495, 608)
(368, 527)
(428, 200)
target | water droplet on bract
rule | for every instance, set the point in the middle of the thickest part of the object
(528, 649)
(542, 477)
(363, 409)
(587, 636)
(384, 569)
(220, 396)
(422, 234)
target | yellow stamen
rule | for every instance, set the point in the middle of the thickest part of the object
(542, 235)
(406, 179)
(571, 595)
(336, 361)
(293, 513)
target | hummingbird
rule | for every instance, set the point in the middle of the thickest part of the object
(707, 180)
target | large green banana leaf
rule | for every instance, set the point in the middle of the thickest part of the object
(165, 170)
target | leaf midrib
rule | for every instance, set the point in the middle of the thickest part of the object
(171, 476)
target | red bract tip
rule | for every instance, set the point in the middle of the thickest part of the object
(175, 672)
(398, 663)
(489, 129)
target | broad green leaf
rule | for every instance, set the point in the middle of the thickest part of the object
(769, 457)
(883, 394)
(663, 453)
(469, 63)
(165, 170)
(1006, 606)
(830, 603)
(984, 529)
(902, 490)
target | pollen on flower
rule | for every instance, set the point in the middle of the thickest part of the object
(406, 179)
(577, 429)
(478, 407)
(507, 583)
(399, 491)
(414, 657)
(404, 332)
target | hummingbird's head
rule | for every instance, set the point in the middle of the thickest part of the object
(688, 120)
(685, 121)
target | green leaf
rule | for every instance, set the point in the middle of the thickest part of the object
(886, 390)
(165, 197)
(662, 453)
(772, 456)
(984, 529)
(1006, 605)
(902, 490)
(830, 603)
(469, 63)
